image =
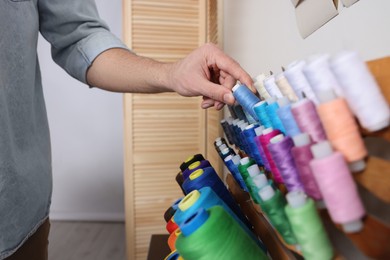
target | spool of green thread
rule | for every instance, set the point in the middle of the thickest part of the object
(214, 236)
(307, 227)
(273, 204)
(245, 163)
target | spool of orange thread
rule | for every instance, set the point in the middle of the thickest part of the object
(341, 129)
(172, 239)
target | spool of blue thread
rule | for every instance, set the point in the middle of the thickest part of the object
(239, 111)
(245, 145)
(233, 131)
(226, 152)
(204, 198)
(250, 134)
(232, 163)
(195, 166)
(287, 118)
(245, 98)
(271, 111)
(260, 110)
(232, 112)
(226, 129)
(207, 177)
(237, 131)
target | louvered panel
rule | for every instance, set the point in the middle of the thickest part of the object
(162, 130)
(213, 131)
(154, 191)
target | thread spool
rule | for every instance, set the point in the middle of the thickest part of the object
(174, 255)
(245, 98)
(307, 227)
(219, 141)
(259, 85)
(285, 87)
(260, 181)
(320, 76)
(265, 139)
(259, 132)
(207, 177)
(298, 81)
(195, 166)
(250, 135)
(262, 116)
(190, 160)
(280, 150)
(302, 156)
(227, 128)
(206, 198)
(273, 203)
(249, 118)
(253, 172)
(337, 187)
(232, 163)
(355, 78)
(213, 234)
(226, 152)
(239, 111)
(179, 179)
(232, 112)
(245, 163)
(171, 226)
(272, 112)
(286, 117)
(172, 239)
(341, 129)
(307, 119)
(271, 87)
(171, 210)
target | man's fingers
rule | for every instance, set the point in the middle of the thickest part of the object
(217, 92)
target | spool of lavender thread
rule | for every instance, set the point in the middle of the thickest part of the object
(307, 118)
(302, 156)
(280, 149)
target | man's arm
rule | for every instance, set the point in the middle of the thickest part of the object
(206, 72)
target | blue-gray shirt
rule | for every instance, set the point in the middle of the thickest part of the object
(77, 36)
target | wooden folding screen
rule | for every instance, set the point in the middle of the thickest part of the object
(161, 130)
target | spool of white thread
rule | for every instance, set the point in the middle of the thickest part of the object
(285, 87)
(259, 85)
(298, 81)
(271, 87)
(320, 76)
(361, 91)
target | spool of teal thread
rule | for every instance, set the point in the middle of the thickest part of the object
(272, 112)
(260, 110)
(273, 204)
(213, 234)
(308, 227)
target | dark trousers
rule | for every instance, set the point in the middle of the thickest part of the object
(36, 247)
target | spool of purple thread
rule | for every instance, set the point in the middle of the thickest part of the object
(308, 121)
(302, 156)
(280, 150)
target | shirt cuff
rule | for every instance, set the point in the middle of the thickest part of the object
(90, 48)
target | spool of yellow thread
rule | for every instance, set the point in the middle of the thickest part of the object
(194, 165)
(341, 129)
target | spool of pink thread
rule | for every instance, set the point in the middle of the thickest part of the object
(265, 140)
(306, 116)
(302, 156)
(337, 187)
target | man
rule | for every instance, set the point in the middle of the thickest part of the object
(83, 46)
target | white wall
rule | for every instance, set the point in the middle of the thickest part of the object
(86, 133)
(262, 35)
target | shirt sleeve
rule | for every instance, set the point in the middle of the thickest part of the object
(76, 33)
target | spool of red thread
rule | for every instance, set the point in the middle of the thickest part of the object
(171, 226)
